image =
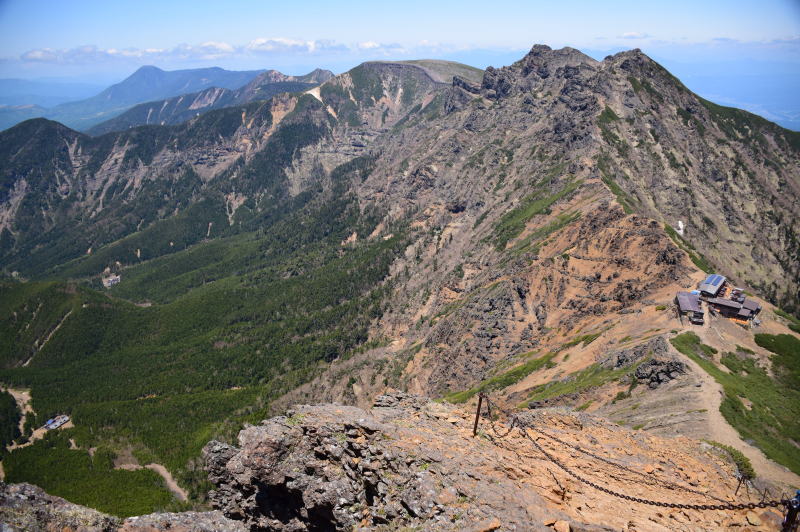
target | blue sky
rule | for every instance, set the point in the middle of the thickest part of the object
(733, 50)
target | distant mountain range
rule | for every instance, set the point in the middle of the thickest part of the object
(146, 84)
(181, 108)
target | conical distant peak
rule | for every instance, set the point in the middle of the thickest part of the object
(147, 69)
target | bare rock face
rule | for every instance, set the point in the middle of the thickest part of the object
(331, 467)
(24, 507)
(660, 368)
(182, 522)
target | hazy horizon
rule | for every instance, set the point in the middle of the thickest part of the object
(740, 53)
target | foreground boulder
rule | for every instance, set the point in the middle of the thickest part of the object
(409, 463)
(329, 467)
(27, 508)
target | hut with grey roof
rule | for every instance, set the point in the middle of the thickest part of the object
(712, 285)
(689, 306)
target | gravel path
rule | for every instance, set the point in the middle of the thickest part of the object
(165, 474)
(719, 430)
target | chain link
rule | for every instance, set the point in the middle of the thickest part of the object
(516, 422)
(512, 423)
(650, 480)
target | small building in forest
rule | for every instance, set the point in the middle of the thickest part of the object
(111, 280)
(56, 422)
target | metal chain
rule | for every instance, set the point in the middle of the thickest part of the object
(650, 480)
(518, 423)
(576, 476)
(512, 424)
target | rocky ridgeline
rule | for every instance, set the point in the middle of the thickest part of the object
(411, 463)
(24, 507)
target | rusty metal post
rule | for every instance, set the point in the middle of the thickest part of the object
(477, 415)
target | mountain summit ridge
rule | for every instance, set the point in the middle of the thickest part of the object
(178, 109)
(145, 84)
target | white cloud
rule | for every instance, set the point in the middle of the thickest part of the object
(219, 46)
(284, 45)
(210, 50)
(88, 54)
(634, 35)
(43, 55)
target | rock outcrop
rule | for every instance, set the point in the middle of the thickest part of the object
(657, 366)
(27, 508)
(412, 463)
(659, 371)
(24, 507)
(339, 467)
(656, 347)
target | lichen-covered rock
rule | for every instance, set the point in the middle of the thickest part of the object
(24, 507)
(27, 508)
(182, 522)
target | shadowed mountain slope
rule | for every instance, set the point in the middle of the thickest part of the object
(181, 108)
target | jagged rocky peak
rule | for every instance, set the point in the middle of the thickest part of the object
(542, 55)
(637, 64)
(538, 68)
(633, 60)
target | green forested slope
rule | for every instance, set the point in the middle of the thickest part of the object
(235, 322)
